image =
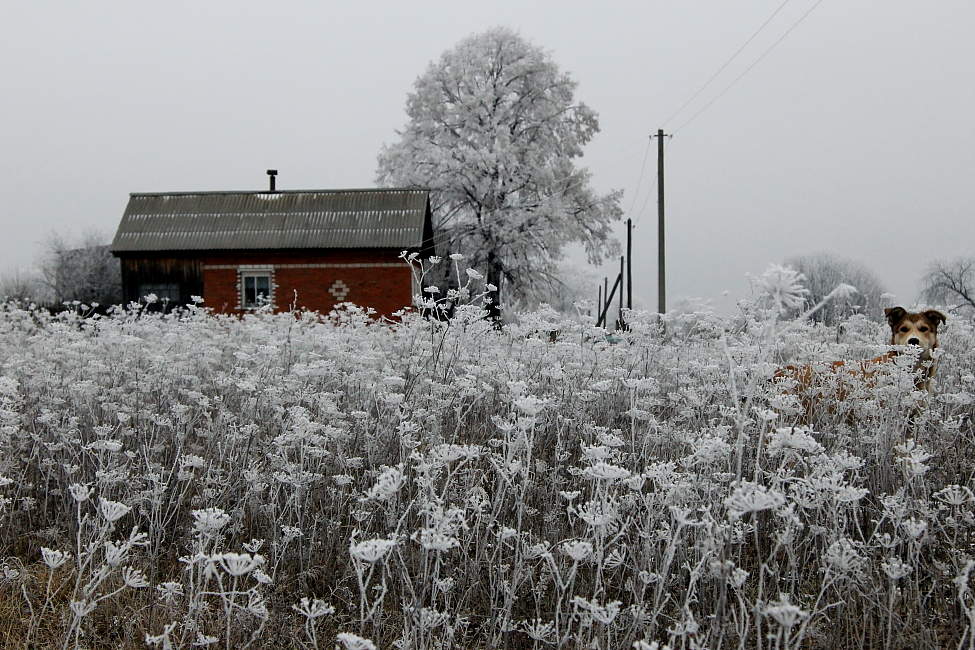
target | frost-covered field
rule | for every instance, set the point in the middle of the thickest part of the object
(283, 482)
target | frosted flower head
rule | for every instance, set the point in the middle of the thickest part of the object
(257, 605)
(577, 550)
(54, 559)
(353, 641)
(788, 439)
(388, 483)
(290, 533)
(190, 461)
(170, 591)
(598, 513)
(456, 257)
(105, 445)
(313, 608)
(782, 287)
(80, 492)
(751, 497)
(371, 551)
(784, 612)
(604, 614)
(912, 457)
(115, 554)
(133, 578)
(603, 471)
(530, 405)
(914, 528)
(238, 564)
(112, 510)
(843, 557)
(895, 568)
(433, 540)
(955, 495)
(539, 630)
(209, 521)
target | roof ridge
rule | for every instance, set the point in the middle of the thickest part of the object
(320, 191)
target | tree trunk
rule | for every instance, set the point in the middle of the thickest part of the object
(494, 276)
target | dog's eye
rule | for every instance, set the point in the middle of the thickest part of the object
(905, 329)
(923, 329)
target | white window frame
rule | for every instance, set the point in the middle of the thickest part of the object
(249, 271)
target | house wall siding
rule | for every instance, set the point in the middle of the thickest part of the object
(315, 281)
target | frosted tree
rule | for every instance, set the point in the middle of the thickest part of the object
(494, 131)
(23, 285)
(824, 272)
(951, 283)
(84, 271)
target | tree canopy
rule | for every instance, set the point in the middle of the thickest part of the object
(494, 131)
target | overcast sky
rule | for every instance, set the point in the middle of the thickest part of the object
(854, 136)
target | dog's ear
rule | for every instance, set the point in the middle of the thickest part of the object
(894, 316)
(936, 317)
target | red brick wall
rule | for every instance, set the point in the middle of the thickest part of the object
(384, 288)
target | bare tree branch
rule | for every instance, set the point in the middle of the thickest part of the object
(950, 283)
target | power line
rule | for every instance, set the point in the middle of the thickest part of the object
(639, 183)
(643, 209)
(749, 68)
(726, 63)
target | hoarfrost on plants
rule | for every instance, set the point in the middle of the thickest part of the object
(195, 480)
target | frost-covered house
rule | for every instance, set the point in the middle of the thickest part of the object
(312, 248)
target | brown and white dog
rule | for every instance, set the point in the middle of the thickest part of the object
(921, 329)
(906, 329)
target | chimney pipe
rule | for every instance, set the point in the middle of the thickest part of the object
(272, 173)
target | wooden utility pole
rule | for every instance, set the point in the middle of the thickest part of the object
(661, 259)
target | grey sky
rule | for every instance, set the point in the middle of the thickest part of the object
(855, 136)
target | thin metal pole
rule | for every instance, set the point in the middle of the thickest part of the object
(629, 263)
(620, 324)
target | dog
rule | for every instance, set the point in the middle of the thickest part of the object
(918, 329)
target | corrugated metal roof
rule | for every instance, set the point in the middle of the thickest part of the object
(372, 218)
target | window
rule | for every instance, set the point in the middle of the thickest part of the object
(164, 291)
(256, 289)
